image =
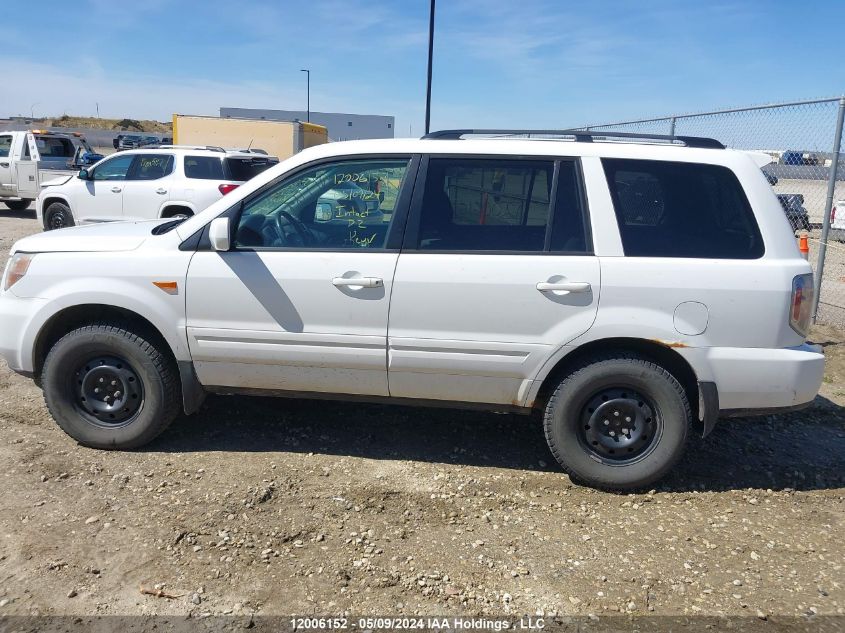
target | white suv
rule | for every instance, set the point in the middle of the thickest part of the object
(627, 292)
(143, 184)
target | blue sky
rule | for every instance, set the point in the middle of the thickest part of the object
(531, 63)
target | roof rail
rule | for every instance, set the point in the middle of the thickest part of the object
(582, 136)
(211, 148)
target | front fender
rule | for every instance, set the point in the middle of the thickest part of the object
(165, 313)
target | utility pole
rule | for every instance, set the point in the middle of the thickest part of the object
(308, 93)
(430, 57)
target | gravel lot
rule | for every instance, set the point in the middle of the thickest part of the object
(269, 506)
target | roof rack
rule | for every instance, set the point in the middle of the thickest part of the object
(582, 136)
(211, 148)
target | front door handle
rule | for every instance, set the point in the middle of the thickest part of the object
(116, 189)
(564, 286)
(161, 191)
(360, 282)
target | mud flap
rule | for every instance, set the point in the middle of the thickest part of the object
(193, 393)
(708, 406)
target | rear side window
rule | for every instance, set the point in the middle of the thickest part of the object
(242, 169)
(5, 145)
(204, 168)
(54, 147)
(667, 209)
(501, 205)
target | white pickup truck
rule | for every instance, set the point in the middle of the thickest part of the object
(30, 158)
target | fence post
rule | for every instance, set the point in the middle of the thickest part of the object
(828, 205)
(672, 122)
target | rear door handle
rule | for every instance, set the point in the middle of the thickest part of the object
(564, 286)
(361, 282)
(161, 191)
(116, 189)
(4, 164)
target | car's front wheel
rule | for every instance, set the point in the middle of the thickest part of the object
(618, 423)
(109, 387)
(57, 216)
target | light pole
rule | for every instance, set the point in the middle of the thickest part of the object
(308, 93)
(430, 56)
(32, 110)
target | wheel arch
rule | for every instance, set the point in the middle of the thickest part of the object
(55, 197)
(173, 207)
(72, 317)
(658, 353)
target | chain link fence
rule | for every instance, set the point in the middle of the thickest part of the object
(807, 173)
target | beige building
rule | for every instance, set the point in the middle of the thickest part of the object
(277, 138)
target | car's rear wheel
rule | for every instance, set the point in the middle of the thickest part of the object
(17, 205)
(57, 216)
(618, 423)
(109, 387)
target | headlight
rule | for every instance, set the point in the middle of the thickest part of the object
(16, 269)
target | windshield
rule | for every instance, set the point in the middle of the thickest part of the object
(242, 169)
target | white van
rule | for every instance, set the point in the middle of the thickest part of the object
(629, 293)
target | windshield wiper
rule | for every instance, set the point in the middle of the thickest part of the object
(161, 229)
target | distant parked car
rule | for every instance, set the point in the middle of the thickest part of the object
(792, 158)
(145, 184)
(129, 141)
(793, 206)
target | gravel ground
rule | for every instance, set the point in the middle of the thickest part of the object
(266, 506)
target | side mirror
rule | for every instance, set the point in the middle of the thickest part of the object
(84, 175)
(218, 234)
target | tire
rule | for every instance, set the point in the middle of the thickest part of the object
(587, 416)
(132, 369)
(57, 216)
(17, 205)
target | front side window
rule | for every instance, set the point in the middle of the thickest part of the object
(114, 168)
(485, 205)
(667, 209)
(151, 166)
(342, 205)
(5, 145)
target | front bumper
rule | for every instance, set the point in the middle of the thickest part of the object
(16, 316)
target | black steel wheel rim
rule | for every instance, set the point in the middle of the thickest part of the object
(619, 425)
(107, 391)
(58, 220)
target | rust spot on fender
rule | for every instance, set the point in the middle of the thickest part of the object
(670, 343)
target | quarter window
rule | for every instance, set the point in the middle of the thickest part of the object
(668, 209)
(500, 205)
(344, 205)
(204, 167)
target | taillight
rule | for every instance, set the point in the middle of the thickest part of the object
(833, 214)
(802, 303)
(224, 189)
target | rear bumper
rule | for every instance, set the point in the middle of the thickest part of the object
(759, 380)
